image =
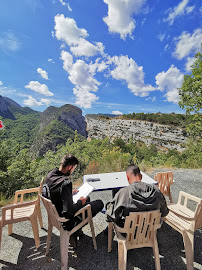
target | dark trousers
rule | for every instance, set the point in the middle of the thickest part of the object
(96, 207)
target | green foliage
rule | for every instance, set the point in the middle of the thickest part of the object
(191, 97)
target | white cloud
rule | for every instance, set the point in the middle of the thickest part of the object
(43, 73)
(166, 47)
(9, 42)
(119, 18)
(170, 81)
(45, 101)
(66, 4)
(31, 102)
(84, 98)
(161, 37)
(81, 75)
(117, 113)
(151, 98)
(189, 63)
(67, 31)
(87, 49)
(50, 60)
(187, 43)
(126, 69)
(67, 60)
(179, 10)
(40, 88)
(1, 83)
(98, 66)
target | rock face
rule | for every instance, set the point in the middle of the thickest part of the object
(150, 133)
(4, 109)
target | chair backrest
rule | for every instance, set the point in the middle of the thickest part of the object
(183, 200)
(52, 212)
(164, 179)
(141, 227)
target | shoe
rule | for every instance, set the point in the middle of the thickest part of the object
(79, 233)
(73, 240)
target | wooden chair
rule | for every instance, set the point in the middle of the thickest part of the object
(165, 179)
(55, 220)
(140, 231)
(186, 221)
(21, 211)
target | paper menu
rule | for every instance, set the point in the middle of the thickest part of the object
(83, 191)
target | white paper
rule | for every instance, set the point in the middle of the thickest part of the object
(83, 191)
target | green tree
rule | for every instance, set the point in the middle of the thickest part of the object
(191, 97)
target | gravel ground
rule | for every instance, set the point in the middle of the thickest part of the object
(18, 251)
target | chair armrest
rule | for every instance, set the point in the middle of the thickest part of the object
(62, 219)
(24, 191)
(181, 216)
(82, 210)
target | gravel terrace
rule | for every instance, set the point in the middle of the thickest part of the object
(18, 251)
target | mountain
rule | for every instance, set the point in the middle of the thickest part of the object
(12, 102)
(56, 126)
(4, 109)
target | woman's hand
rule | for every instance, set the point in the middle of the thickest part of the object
(74, 191)
(83, 200)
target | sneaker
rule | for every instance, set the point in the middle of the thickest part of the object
(79, 233)
(73, 240)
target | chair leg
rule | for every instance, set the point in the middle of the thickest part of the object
(50, 228)
(40, 217)
(93, 233)
(110, 229)
(188, 238)
(122, 255)
(35, 229)
(156, 254)
(0, 235)
(10, 229)
(64, 245)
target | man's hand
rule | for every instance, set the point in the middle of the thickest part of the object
(83, 200)
(74, 191)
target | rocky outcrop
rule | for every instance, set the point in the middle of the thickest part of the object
(150, 133)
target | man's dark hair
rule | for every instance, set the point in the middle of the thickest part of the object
(134, 169)
(69, 160)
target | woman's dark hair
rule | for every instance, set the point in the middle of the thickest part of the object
(69, 160)
(134, 169)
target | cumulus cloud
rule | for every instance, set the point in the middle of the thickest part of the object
(117, 113)
(170, 81)
(151, 98)
(126, 69)
(9, 42)
(84, 98)
(67, 60)
(43, 73)
(161, 37)
(82, 76)
(67, 31)
(40, 88)
(98, 66)
(1, 83)
(179, 10)
(119, 18)
(189, 63)
(32, 102)
(187, 43)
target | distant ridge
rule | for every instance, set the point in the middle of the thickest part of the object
(12, 102)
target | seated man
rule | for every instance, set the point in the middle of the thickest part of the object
(137, 197)
(58, 188)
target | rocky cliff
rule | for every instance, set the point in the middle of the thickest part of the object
(163, 136)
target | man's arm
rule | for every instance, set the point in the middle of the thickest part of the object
(163, 205)
(69, 208)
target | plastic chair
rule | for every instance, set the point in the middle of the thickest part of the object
(165, 179)
(54, 220)
(21, 211)
(139, 231)
(186, 221)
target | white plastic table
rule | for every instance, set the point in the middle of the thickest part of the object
(113, 180)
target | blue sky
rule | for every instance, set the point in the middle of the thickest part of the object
(104, 56)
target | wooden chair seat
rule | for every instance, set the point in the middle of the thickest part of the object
(186, 221)
(139, 231)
